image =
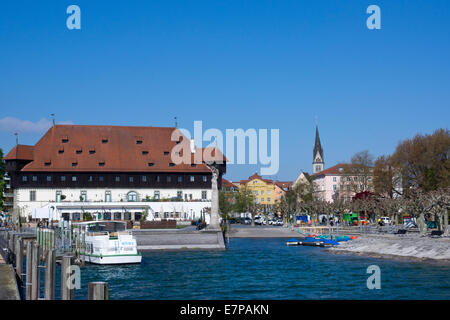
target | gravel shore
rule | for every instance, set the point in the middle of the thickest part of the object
(409, 246)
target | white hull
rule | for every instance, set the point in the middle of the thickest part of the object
(114, 259)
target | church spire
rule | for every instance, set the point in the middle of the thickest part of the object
(317, 153)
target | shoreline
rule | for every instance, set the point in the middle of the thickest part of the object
(407, 248)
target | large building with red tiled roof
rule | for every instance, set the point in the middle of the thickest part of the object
(110, 164)
(265, 191)
(342, 182)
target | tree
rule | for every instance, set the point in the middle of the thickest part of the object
(226, 203)
(245, 201)
(424, 161)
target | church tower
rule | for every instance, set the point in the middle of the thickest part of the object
(318, 162)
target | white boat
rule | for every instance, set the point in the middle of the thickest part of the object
(108, 242)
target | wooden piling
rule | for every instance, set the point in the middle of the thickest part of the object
(28, 271)
(50, 275)
(98, 291)
(35, 272)
(83, 247)
(66, 288)
(19, 258)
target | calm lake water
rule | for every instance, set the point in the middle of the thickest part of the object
(265, 269)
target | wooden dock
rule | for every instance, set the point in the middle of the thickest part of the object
(8, 284)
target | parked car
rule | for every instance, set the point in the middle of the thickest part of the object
(384, 221)
(258, 220)
(246, 220)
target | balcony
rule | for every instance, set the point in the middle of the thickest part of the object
(8, 195)
(8, 204)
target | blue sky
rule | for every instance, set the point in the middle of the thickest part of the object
(232, 64)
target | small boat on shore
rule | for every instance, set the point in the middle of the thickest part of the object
(108, 242)
(292, 242)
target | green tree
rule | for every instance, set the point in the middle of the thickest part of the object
(226, 203)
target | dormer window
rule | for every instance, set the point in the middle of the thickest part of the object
(150, 164)
(91, 151)
(171, 164)
(166, 153)
(138, 141)
(74, 164)
(101, 164)
(78, 151)
(64, 139)
(104, 140)
(61, 150)
(193, 165)
(144, 152)
(47, 163)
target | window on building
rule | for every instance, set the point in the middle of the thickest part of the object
(334, 187)
(107, 215)
(58, 196)
(349, 179)
(190, 196)
(74, 178)
(262, 192)
(132, 196)
(348, 187)
(204, 195)
(63, 178)
(100, 178)
(101, 164)
(131, 179)
(168, 178)
(205, 178)
(268, 191)
(156, 195)
(144, 178)
(180, 195)
(24, 178)
(256, 200)
(256, 193)
(158, 179)
(138, 141)
(180, 179)
(117, 215)
(166, 153)
(355, 179)
(49, 178)
(107, 196)
(334, 179)
(191, 178)
(117, 179)
(127, 215)
(33, 195)
(150, 164)
(268, 199)
(90, 179)
(144, 152)
(34, 178)
(83, 196)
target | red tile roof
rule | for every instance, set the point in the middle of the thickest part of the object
(108, 148)
(256, 176)
(20, 152)
(284, 184)
(227, 184)
(340, 168)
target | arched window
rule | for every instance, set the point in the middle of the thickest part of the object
(132, 196)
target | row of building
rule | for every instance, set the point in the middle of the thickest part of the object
(126, 173)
